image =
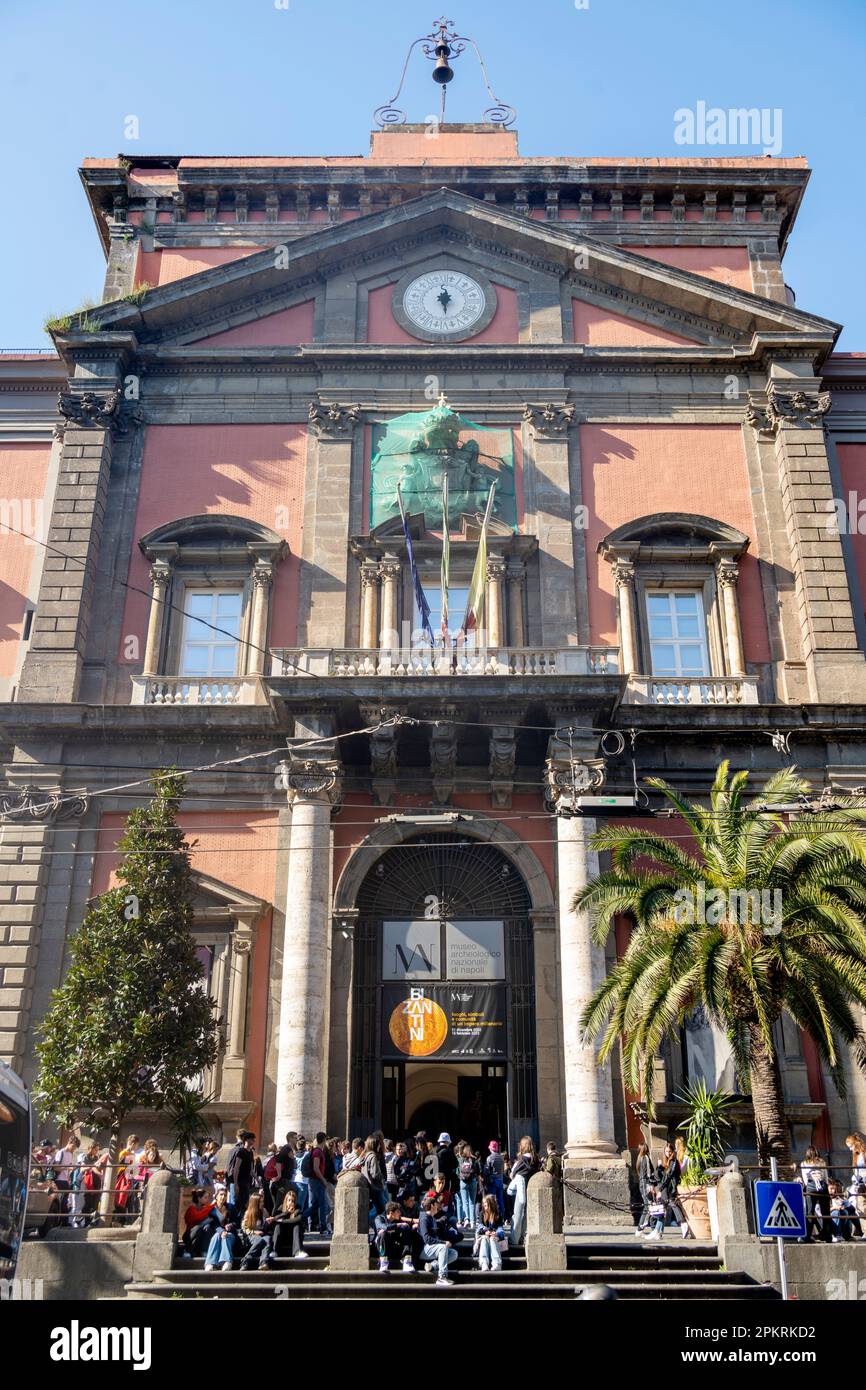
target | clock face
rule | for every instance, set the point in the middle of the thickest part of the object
(443, 302)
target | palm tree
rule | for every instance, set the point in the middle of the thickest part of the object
(702, 938)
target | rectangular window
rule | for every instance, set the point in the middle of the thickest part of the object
(677, 633)
(211, 632)
(458, 595)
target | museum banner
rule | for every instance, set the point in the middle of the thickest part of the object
(443, 1022)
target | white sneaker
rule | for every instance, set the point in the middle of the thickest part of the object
(444, 1283)
(226, 1266)
(209, 1268)
(428, 1269)
(654, 1235)
(638, 1231)
(408, 1267)
(302, 1255)
(384, 1265)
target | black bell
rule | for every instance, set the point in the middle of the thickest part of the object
(442, 72)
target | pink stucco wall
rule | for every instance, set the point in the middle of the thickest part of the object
(852, 468)
(729, 265)
(23, 474)
(284, 329)
(382, 327)
(252, 471)
(163, 267)
(602, 328)
(636, 470)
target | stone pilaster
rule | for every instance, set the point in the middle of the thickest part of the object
(793, 415)
(160, 581)
(623, 573)
(369, 604)
(324, 571)
(92, 412)
(28, 815)
(313, 786)
(495, 577)
(549, 426)
(234, 1066)
(263, 579)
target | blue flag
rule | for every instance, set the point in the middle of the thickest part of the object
(420, 596)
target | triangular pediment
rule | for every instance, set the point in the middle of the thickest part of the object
(670, 304)
(214, 899)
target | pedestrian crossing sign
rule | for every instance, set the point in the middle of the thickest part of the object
(781, 1209)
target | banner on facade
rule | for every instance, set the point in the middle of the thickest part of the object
(443, 1022)
(411, 950)
(474, 951)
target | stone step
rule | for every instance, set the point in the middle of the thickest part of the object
(491, 1287)
(256, 1277)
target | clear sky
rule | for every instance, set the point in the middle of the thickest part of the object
(303, 77)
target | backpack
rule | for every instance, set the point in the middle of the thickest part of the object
(89, 1180)
(270, 1169)
(306, 1169)
(467, 1168)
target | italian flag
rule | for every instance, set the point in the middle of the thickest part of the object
(474, 615)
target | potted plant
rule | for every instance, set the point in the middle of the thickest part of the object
(705, 1149)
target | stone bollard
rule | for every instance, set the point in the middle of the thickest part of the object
(350, 1243)
(732, 1209)
(156, 1242)
(545, 1243)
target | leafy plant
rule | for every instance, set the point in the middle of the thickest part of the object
(703, 1125)
(188, 1118)
(809, 963)
(137, 295)
(130, 1023)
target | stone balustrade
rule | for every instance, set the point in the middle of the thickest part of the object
(184, 690)
(692, 690)
(455, 661)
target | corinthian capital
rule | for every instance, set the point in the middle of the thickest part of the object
(331, 420)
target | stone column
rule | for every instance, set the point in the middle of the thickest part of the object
(313, 788)
(592, 1160)
(263, 578)
(623, 573)
(160, 581)
(588, 1093)
(515, 576)
(391, 571)
(234, 1062)
(726, 578)
(495, 576)
(369, 604)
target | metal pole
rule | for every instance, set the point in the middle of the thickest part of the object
(783, 1273)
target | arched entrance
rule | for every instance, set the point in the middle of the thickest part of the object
(443, 999)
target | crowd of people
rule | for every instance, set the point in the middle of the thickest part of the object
(81, 1170)
(427, 1198)
(835, 1204)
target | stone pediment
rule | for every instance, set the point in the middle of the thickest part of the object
(215, 900)
(683, 305)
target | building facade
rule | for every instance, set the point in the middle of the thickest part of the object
(204, 565)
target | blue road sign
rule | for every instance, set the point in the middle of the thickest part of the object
(781, 1209)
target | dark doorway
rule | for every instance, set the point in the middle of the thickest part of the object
(482, 1110)
(435, 1118)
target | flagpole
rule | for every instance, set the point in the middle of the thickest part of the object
(476, 589)
(445, 569)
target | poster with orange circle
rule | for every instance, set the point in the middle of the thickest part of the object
(418, 1026)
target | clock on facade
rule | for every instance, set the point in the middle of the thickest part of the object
(444, 304)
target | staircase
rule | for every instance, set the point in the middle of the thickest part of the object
(680, 1270)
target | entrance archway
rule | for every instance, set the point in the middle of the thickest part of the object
(454, 884)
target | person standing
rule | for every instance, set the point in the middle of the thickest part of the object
(522, 1169)
(63, 1163)
(467, 1172)
(319, 1207)
(374, 1171)
(667, 1185)
(240, 1169)
(447, 1160)
(646, 1174)
(856, 1145)
(815, 1176)
(494, 1172)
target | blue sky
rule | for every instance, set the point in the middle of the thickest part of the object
(251, 77)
